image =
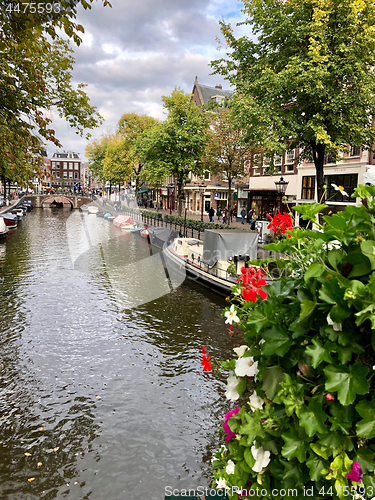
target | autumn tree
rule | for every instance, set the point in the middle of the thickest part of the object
(118, 161)
(304, 76)
(131, 127)
(226, 152)
(175, 146)
(35, 66)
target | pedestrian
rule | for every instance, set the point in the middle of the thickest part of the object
(243, 215)
(250, 215)
(253, 221)
(218, 213)
(225, 216)
(211, 213)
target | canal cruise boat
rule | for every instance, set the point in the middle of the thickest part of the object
(207, 261)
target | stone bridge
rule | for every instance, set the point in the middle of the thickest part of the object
(40, 200)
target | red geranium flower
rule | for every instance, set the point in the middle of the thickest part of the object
(206, 361)
(280, 223)
(252, 280)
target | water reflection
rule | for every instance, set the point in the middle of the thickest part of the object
(118, 391)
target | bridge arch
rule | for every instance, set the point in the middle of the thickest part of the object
(57, 199)
(40, 200)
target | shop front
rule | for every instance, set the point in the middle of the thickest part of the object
(263, 203)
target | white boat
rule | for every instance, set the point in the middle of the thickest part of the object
(84, 208)
(128, 227)
(92, 209)
(207, 261)
(3, 229)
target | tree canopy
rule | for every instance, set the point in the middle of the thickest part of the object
(305, 76)
(175, 147)
(35, 67)
(226, 152)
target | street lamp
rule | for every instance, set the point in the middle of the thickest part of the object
(281, 186)
(170, 187)
(202, 188)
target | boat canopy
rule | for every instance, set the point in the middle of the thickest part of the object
(221, 244)
(123, 220)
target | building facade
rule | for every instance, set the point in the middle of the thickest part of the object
(66, 170)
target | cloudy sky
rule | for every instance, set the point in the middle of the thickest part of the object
(139, 50)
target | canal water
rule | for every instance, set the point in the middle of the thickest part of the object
(103, 396)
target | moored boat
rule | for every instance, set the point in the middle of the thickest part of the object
(161, 236)
(92, 209)
(84, 208)
(100, 214)
(145, 234)
(3, 229)
(125, 222)
(207, 261)
(10, 220)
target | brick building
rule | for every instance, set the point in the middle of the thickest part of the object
(66, 169)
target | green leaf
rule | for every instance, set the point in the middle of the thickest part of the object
(241, 387)
(272, 378)
(312, 419)
(276, 342)
(318, 353)
(307, 308)
(365, 457)
(335, 257)
(294, 447)
(320, 450)
(248, 456)
(347, 381)
(368, 248)
(336, 221)
(316, 465)
(314, 271)
(366, 427)
(251, 428)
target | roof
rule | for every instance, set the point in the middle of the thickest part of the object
(69, 154)
(206, 93)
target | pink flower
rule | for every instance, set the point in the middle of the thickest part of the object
(230, 434)
(329, 397)
(356, 473)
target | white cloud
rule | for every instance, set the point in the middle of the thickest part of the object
(136, 52)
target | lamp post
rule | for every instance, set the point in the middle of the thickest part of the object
(281, 186)
(170, 187)
(202, 188)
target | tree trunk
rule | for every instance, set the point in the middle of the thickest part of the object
(229, 197)
(179, 186)
(318, 155)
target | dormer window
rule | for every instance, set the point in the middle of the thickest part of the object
(217, 98)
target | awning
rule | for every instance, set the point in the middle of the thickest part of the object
(142, 191)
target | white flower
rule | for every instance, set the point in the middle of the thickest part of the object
(369, 177)
(221, 483)
(336, 326)
(240, 351)
(246, 367)
(333, 245)
(231, 315)
(256, 401)
(232, 383)
(373, 367)
(339, 188)
(229, 469)
(261, 457)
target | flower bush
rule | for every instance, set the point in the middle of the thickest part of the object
(303, 376)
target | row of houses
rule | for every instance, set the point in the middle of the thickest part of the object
(263, 186)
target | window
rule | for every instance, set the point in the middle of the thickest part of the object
(57, 175)
(349, 182)
(65, 175)
(308, 187)
(256, 164)
(355, 150)
(207, 176)
(224, 177)
(76, 175)
(76, 166)
(53, 164)
(289, 161)
(65, 164)
(70, 175)
(57, 164)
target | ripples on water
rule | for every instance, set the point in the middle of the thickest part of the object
(109, 398)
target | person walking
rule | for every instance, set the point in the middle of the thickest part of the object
(211, 213)
(218, 213)
(253, 221)
(225, 216)
(243, 215)
(250, 215)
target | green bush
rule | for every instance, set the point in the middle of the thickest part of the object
(305, 370)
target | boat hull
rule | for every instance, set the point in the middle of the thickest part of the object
(194, 272)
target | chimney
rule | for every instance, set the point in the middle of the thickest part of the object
(218, 86)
